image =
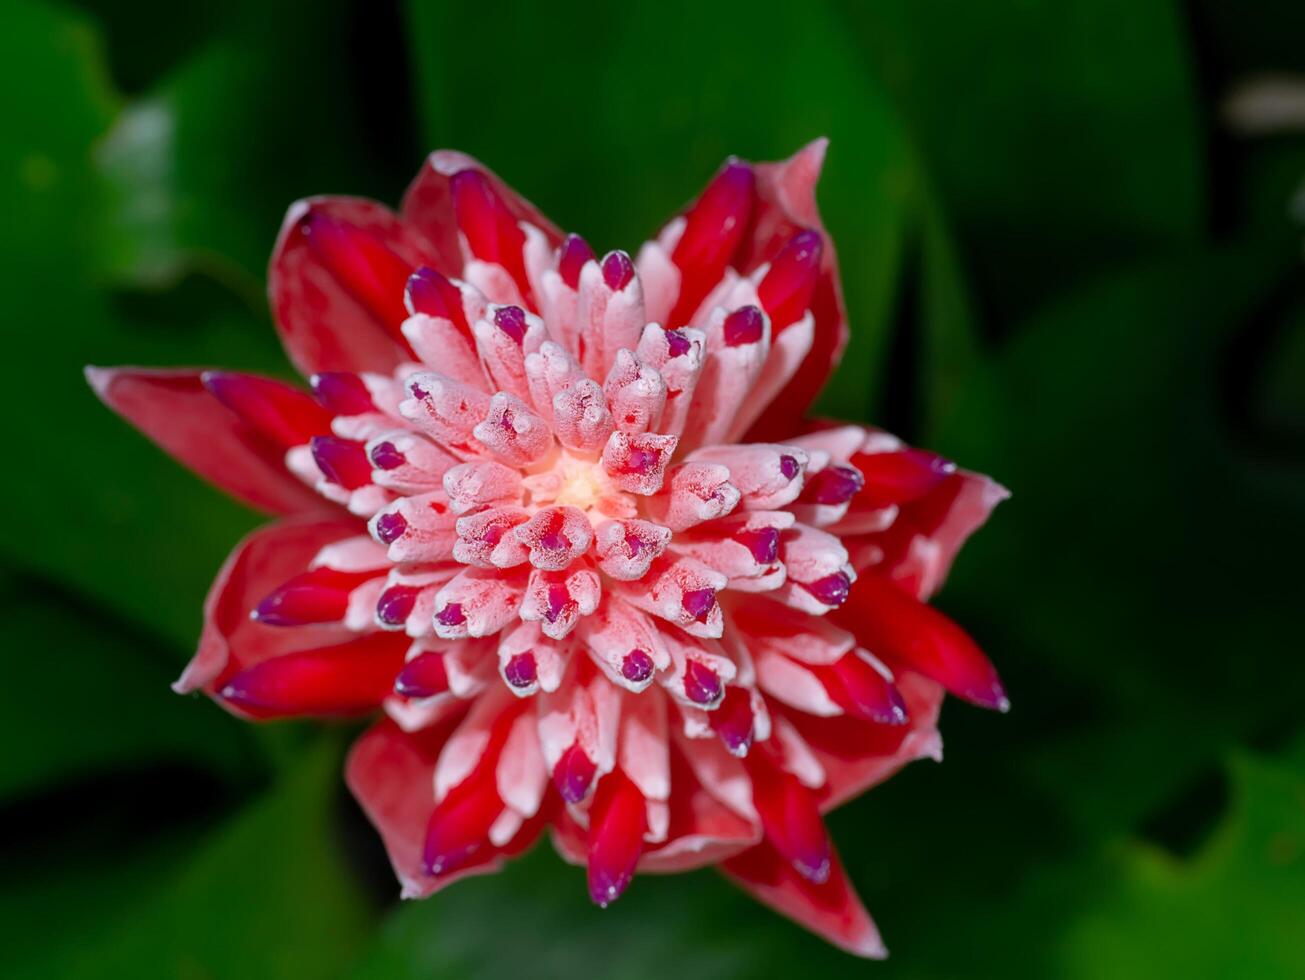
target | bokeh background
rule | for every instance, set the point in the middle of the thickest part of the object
(1072, 248)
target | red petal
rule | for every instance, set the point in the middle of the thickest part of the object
(231, 641)
(898, 477)
(317, 596)
(489, 228)
(862, 691)
(791, 818)
(342, 461)
(391, 774)
(905, 632)
(616, 828)
(831, 910)
(428, 205)
(275, 410)
(336, 283)
(733, 721)
(786, 193)
(175, 410)
(786, 290)
(856, 755)
(573, 776)
(345, 679)
(424, 676)
(458, 831)
(701, 829)
(714, 228)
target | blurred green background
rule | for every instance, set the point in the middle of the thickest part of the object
(1071, 261)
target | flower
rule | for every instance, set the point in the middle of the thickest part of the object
(560, 519)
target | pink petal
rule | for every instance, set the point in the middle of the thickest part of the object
(701, 830)
(175, 410)
(832, 910)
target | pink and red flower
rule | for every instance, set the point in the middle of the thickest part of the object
(558, 517)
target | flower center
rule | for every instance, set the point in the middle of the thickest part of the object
(579, 481)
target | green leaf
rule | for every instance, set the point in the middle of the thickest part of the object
(1063, 137)
(1135, 544)
(1232, 911)
(85, 695)
(200, 169)
(159, 533)
(268, 896)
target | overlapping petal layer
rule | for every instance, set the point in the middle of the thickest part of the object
(557, 516)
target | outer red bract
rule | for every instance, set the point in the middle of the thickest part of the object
(559, 517)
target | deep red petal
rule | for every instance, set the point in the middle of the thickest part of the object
(175, 410)
(856, 754)
(907, 633)
(428, 205)
(336, 283)
(280, 413)
(616, 827)
(832, 910)
(786, 204)
(231, 641)
(344, 679)
(391, 774)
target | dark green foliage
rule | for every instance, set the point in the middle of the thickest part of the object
(1061, 268)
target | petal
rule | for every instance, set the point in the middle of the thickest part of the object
(391, 774)
(338, 299)
(175, 410)
(831, 910)
(428, 205)
(786, 204)
(702, 830)
(904, 632)
(231, 641)
(856, 755)
(945, 517)
(343, 679)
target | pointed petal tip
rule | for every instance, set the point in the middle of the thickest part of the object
(182, 685)
(993, 698)
(868, 947)
(98, 378)
(605, 889)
